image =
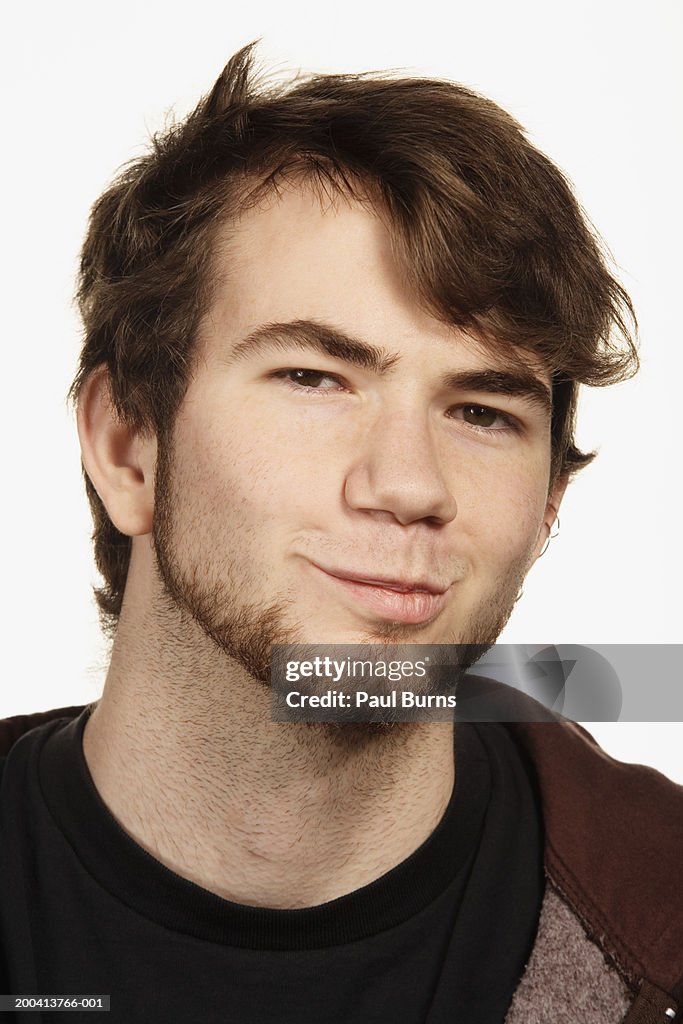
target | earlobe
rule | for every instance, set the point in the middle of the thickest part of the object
(551, 518)
(119, 460)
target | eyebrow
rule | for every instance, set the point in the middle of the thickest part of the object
(513, 383)
(309, 335)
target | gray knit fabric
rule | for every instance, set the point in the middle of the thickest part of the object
(567, 979)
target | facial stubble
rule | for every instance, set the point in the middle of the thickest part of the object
(245, 631)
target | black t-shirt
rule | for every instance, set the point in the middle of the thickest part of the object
(443, 937)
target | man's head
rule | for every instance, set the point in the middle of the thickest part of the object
(409, 237)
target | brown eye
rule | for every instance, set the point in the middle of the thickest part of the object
(479, 415)
(313, 379)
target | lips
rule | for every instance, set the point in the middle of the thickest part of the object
(391, 583)
(390, 599)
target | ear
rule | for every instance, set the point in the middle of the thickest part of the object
(551, 514)
(119, 461)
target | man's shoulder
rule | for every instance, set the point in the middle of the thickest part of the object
(613, 848)
(613, 842)
(12, 729)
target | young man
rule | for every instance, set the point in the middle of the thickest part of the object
(334, 335)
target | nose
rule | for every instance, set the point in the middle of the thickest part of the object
(397, 470)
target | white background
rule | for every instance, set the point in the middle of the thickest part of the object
(598, 86)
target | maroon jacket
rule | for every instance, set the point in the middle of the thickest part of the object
(609, 947)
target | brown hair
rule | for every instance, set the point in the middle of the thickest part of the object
(486, 228)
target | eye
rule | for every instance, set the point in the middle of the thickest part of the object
(310, 380)
(483, 417)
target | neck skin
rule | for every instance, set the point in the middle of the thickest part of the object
(183, 752)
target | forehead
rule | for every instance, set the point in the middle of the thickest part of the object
(308, 254)
(299, 248)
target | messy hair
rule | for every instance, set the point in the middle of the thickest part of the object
(484, 227)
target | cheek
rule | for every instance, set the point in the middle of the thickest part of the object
(243, 483)
(503, 513)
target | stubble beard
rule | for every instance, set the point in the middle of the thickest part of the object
(245, 632)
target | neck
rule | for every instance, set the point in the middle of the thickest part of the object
(183, 751)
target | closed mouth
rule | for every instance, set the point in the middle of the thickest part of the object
(401, 586)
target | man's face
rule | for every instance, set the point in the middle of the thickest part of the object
(345, 467)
